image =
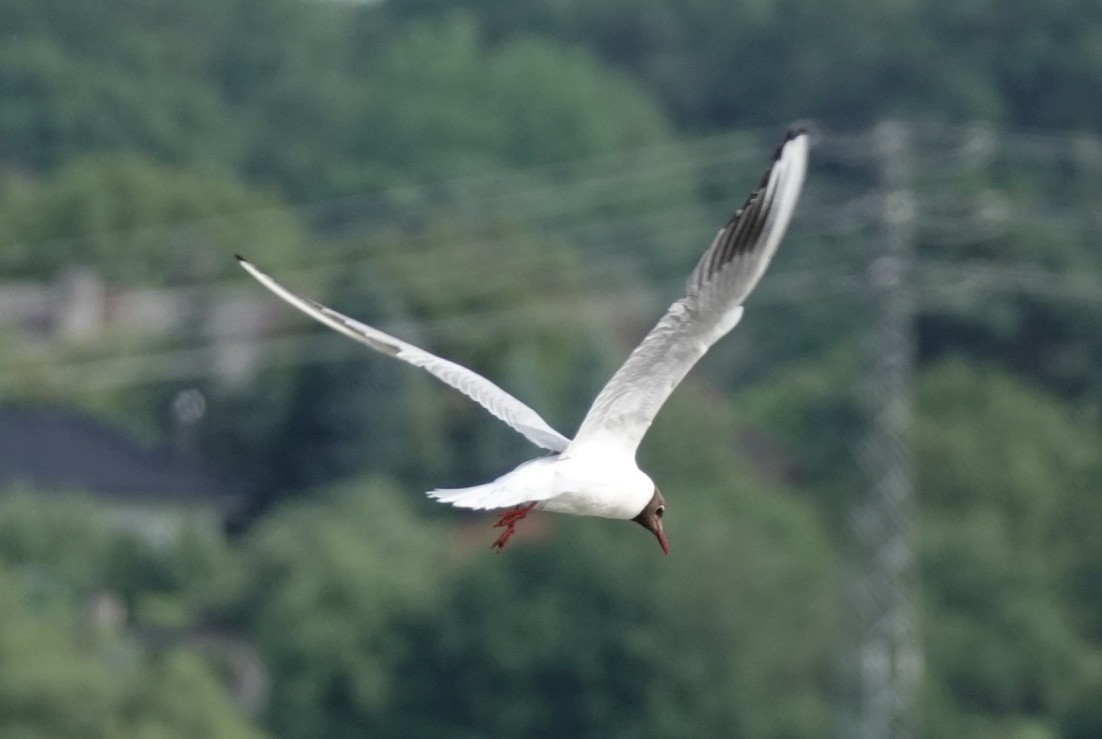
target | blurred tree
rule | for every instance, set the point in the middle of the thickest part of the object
(504, 303)
(73, 545)
(328, 583)
(261, 45)
(375, 623)
(1050, 336)
(353, 414)
(594, 636)
(58, 681)
(586, 638)
(137, 222)
(135, 114)
(67, 674)
(1004, 472)
(1008, 480)
(67, 537)
(814, 409)
(56, 107)
(435, 102)
(527, 102)
(716, 63)
(445, 288)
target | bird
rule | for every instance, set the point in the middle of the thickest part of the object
(596, 473)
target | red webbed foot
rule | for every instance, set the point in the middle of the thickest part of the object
(509, 520)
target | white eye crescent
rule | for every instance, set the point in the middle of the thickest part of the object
(660, 511)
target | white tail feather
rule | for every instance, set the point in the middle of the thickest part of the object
(532, 481)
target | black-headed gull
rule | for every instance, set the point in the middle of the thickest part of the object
(596, 473)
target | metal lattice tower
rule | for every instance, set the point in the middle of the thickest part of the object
(885, 582)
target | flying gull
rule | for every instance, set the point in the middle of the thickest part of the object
(595, 474)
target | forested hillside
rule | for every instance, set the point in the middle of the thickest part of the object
(523, 187)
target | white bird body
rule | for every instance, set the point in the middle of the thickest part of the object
(595, 474)
(591, 479)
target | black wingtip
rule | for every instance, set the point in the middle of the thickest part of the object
(240, 258)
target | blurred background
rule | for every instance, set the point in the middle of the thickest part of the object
(884, 486)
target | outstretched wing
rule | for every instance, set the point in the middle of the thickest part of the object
(473, 385)
(724, 277)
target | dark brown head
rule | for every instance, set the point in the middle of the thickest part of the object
(651, 519)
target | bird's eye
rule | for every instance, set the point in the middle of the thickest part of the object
(660, 511)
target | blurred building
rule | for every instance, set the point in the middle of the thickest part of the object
(80, 308)
(155, 491)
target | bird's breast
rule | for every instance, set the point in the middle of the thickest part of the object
(590, 504)
(607, 488)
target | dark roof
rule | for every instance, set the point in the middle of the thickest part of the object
(55, 448)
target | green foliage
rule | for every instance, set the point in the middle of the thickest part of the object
(58, 680)
(244, 430)
(74, 546)
(319, 98)
(516, 325)
(588, 638)
(1008, 481)
(375, 622)
(56, 107)
(492, 297)
(719, 64)
(1004, 470)
(138, 222)
(61, 673)
(435, 102)
(813, 410)
(127, 134)
(328, 583)
(66, 536)
(527, 102)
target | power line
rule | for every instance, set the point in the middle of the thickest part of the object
(631, 167)
(884, 582)
(634, 166)
(934, 281)
(294, 347)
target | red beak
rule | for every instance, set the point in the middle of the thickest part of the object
(662, 539)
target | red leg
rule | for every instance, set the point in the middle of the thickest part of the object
(509, 520)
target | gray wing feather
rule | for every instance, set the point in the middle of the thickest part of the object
(491, 397)
(723, 278)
